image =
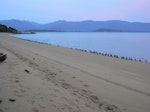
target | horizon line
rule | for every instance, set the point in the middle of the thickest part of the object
(76, 21)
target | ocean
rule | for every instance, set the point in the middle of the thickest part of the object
(127, 44)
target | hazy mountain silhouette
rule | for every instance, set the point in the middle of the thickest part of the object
(82, 26)
(21, 25)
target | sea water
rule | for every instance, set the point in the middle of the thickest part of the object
(133, 45)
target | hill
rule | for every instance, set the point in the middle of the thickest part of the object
(82, 26)
(4, 28)
(21, 25)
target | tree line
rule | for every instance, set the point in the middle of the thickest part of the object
(4, 28)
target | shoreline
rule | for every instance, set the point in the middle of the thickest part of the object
(95, 52)
(43, 77)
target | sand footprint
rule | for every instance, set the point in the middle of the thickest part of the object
(85, 85)
(65, 85)
(74, 77)
(35, 109)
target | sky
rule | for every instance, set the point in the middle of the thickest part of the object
(45, 11)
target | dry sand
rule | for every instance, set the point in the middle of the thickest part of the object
(44, 78)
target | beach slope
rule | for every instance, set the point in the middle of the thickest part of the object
(38, 77)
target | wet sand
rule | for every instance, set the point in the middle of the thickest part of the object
(44, 78)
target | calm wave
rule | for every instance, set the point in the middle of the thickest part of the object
(134, 45)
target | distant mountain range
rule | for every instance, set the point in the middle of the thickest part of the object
(82, 26)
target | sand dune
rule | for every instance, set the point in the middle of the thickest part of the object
(44, 78)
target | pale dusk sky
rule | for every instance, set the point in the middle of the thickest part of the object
(44, 11)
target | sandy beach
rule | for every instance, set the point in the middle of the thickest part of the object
(39, 77)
